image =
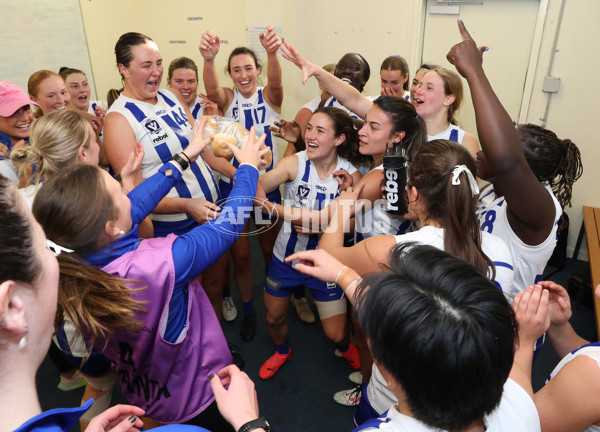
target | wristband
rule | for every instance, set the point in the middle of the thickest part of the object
(212, 57)
(186, 156)
(181, 161)
(356, 279)
(260, 422)
(339, 273)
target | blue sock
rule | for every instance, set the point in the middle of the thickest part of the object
(342, 348)
(226, 291)
(283, 349)
(248, 307)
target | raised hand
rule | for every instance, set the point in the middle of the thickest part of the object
(209, 45)
(198, 144)
(271, 41)
(388, 91)
(210, 107)
(251, 152)
(202, 210)
(4, 151)
(99, 111)
(466, 56)
(343, 178)
(132, 167)
(289, 131)
(308, 69)
(348, 200)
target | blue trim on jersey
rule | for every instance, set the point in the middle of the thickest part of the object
(593, 344)
(137, 113)
(306, 173)
(454, 135)
(503, 264)
(202, 180)
(182, 139)
(167, 100)
(291, 244)
(373, 423)
(196, 110)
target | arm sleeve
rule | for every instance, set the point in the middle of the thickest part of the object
(146, 196)
(199, 248)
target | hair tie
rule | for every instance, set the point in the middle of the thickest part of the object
(57, 249)
(417, 116)
(458, 169)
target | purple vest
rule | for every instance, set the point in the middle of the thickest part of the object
(168, 380)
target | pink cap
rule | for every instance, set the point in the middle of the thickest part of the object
(12, 97)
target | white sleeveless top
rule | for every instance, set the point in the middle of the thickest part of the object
(255, 111)
(590, 350)
(163, 130)
(529, 261)
(306, 191)
(452, 133)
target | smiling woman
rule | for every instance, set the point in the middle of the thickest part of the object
(80, 92)
(48, 89)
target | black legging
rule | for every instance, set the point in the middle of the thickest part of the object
(211, 419)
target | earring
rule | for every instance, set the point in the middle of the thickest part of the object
(23, 341)
(122, 232)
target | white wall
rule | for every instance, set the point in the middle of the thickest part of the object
(573, 110)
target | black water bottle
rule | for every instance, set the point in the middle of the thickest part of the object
(395, 164)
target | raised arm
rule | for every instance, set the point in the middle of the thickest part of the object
(274, 90)
(209, 48)
(531, 211)
(200, 247)
(343, 92)
(365, 256)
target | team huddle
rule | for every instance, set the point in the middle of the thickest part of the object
(143, 203)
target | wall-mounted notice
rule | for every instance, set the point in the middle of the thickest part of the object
(253, 32)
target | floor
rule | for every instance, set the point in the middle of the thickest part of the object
(299, 396)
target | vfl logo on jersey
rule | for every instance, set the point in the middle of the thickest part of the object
(302, 194)
(154, 128)
(235, 113)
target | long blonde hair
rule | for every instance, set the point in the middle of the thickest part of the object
(55, 142)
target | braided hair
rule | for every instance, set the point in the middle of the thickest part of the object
(552, 160)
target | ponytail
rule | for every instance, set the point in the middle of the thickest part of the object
(450, 205)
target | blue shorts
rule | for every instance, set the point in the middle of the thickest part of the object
(274, 196)
(96, 365)
(163, 228)
(282, 279)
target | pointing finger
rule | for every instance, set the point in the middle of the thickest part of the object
(463, 30)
